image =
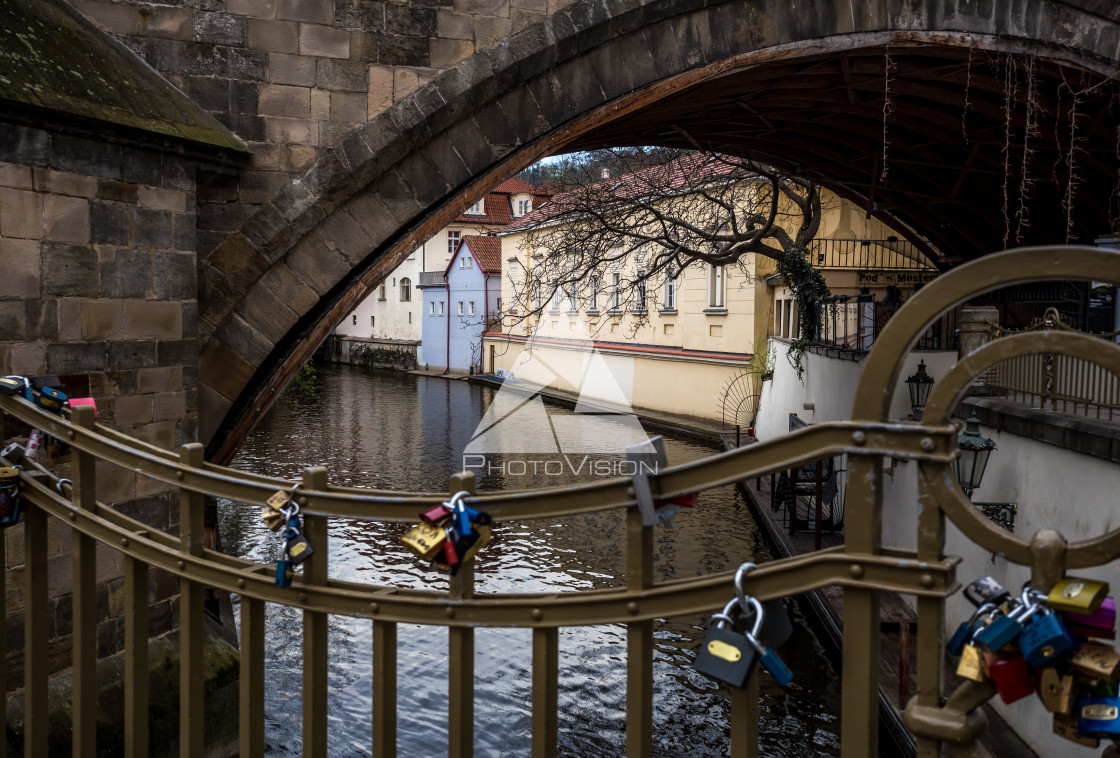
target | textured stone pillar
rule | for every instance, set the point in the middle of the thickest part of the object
(976, 327)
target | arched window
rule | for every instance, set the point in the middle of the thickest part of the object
(406, 290)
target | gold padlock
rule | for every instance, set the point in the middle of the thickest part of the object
(1096, 659)
(1075, 595)
(1056, 691)
(425, 540)
(483, 538)
(278, 500)
(272, 518)
(971, 665)
(1065, 726)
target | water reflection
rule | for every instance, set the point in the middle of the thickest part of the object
(397, 431)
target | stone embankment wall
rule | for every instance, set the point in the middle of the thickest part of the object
(399, 355)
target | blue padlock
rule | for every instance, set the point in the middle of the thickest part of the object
(1099, 716)
(966, 629)
(1046, 637)
(51, 399)
(283, 573)
(767, 657)
(1006, 627)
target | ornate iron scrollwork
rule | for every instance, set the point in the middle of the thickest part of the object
(1001, 513)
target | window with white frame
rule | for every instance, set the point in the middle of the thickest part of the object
(537, 295)
(470, 262)
(354, 322)
(460, 311)
(478, 209)
(453, 238)
(498, 305)
(572, 305)
(670, 297)
(593, 295)
(381, 292)
(640, 294)
(406, 290)
(715, 287)
(523, 206)
(470, 308)
(432, 308)
(554, 303)
(371, 323)
(441, 307)
(616, 291)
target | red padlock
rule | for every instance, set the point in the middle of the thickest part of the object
(75, 401)
(450, 556)
(435, 516)
(1011, 675)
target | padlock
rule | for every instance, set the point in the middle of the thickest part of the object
(296, 546)
(51, 399)
(776, 626)
(1065, 726)
(9, 496)
(1075, 595)
(11, 385)
(55, 450)
(766, 656)
(74, 402)
(272, 518)
(986, 590)
(967, 629)
(1045, 637)
(1055, 690)
(283, 573)
(1010, 674)
(34, 443)
(450, 555)
(971, 665)
(1004, 627)
(436, 516)
(1100, 624)
(1099, 716)
(425, 540)
(13, 453)
(1096, 659)
(726, 655)
(478, 541)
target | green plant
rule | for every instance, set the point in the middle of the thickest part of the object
(809, 290)
(303, 386)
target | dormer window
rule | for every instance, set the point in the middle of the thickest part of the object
(478, 209)
(522, 205)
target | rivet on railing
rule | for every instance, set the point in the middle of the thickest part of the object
(182, 565)
(856, 571)
(180, 475)
(241, 583)
(859, 437)
(303, 501)
(303, 597)
(450, 612)
(374, 607)
(70, 433)
(537, 614)
(632, 608)
(72, 515)
(926, 580)
(124, 541)
(927, 444)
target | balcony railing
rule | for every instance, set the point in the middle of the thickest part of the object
(870, 255)
(852, 323)
(1059, 383)
(431, 279)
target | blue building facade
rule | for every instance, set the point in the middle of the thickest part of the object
(458, 305)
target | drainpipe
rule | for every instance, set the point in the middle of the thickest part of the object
(485, 317)
(447, 284)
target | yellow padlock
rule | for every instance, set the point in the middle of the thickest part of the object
(278, 500)
(425, 540)
(272, 518)
(1065, 725)
(483, 538)
(1096, 659)
(1056, 691)
(971, 665)
(1075, 595)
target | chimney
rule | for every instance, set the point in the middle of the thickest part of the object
(605, 173)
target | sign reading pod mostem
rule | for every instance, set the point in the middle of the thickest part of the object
(895, 278)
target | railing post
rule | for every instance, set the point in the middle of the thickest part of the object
(191, 534)
(546, 702)
(36, 669)
(135, 656)
(251, 671)
(744, 718)
(84, 630)
(639, 640)
(384, 689)
(460, 722)
(315, 627)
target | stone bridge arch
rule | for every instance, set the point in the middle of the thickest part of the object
(594, 74)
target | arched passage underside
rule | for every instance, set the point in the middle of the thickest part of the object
(971, 126)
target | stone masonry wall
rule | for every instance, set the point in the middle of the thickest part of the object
(294, 77)
(99, 286)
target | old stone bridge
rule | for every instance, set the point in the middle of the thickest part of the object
(319, 141)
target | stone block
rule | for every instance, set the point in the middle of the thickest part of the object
(291, 69)
(380, 95)
(219, 28)
(453, 25)
(176, 276)
(108, 223)
(19, 260)
(254, 8)
(24, 145)
(182, 353)
(66, 219)
(321, 269)
(348, 106)
(166, 379)
(286, 287)
(167, 23)
(74, 357)
(21, 213)
(118, 192)
(227, 374)
(489, 29)
(368, 15)
(162, 199)
(298, 130)
(19, 319)
(406, 80)
(15, 175)
(117, 18)
(285, 100)
(267, 314)
(69, 270)
(133, 409)
(210, 93)
(320, 104)
(151, 319)
(107, 559)
(176, 173)
(244, 97)
(130, 355)
(483, 7)
(159, 433)
(346, 75)
(308, 11)
(142, 167)
(27, 358)
(82, 156)
(324, 41)
(445, 53)
(69, 320)
(404, 51)
(150, 228)
(273, 36)
(63, 183)
(411, 20)
(100, 319)
(126, 273)
(522, 18)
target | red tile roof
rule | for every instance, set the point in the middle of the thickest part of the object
(487, 251)
(498, 206)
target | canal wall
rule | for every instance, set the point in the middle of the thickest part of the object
(371, 352)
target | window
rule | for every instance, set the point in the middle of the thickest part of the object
(465, 261)
(593, 300)
(355, 320)
(410, 317)
(523, 207)
(406, 290)
(371, 322)
(554, 302)
(460, 307)
(536, 295)
(670, 300)
(453, 241)
(499, 305)
(640, 298)
(616, 291)
(715, 287)
(572, 305)
(432, 308)
(478, 209)
(470, 308)
(381, 292)
(441, 307)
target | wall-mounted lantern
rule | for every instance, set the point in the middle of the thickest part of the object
(920, 384)
(975, 449)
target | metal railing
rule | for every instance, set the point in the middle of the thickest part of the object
(873, 255)
(1059, 383)
(863, 566)
(852, 323)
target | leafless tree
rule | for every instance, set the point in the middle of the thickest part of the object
(630, 222)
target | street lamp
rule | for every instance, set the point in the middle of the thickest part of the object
(975, 449)
(920, 384)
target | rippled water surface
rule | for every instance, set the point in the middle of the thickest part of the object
(399, 431)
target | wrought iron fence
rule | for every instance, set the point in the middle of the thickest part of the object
(863, 566)
(874, 255)
(1060, 383)
(852, 322)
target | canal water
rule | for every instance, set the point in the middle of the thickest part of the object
(399, 431)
